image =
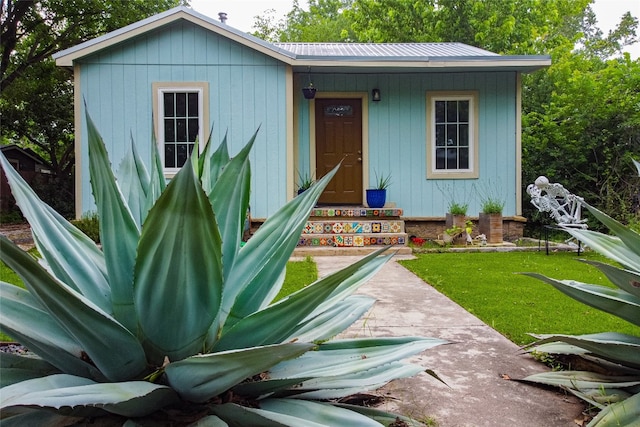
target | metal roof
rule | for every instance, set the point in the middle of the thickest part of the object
(325, 57)
(377, 51)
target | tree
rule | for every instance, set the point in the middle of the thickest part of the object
(325, 21)
(36, 97)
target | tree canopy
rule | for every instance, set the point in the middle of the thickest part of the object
(36, 97)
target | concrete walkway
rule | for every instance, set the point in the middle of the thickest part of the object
(476, 366)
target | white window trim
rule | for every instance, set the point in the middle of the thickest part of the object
(159, 88)
(472, 172)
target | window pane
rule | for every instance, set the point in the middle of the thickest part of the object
(181, 104)
(463, 135)
(181, 130)
(452, 111)
(169, 130)
(440, 111)
(181, 154)
(169, 156)
(440, 135)
(168, 105)
(440, 153)
(464, 158)
(193, 129)
(193, 104)
(452, 158)
(463, 111)
(190, 148)
(452, 135)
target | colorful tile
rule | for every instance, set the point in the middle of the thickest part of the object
(318, 228)
(375, 227)
(356, 227)
(395, 227)
(337, 227)
(366, 227)
(328, 227)
(331, 212)
(358, 241)
(385, 227)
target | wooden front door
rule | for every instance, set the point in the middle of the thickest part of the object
(339, 137)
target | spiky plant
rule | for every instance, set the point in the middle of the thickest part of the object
(613, 381)
(172, 320)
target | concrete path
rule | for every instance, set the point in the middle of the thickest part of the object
(476, 366)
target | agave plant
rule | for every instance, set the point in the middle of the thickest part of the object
(613, 385)
(172, 318)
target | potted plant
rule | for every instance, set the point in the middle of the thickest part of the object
(456, 214)
(377, 196)
(309, 91)
(304, 182)
(490, 219)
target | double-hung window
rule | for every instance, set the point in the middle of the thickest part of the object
(180, 112)
(452, 135)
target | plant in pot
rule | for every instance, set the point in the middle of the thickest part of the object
(377, 196)
(456, 214)
(305, 181)
(490, 219)
(309, 91)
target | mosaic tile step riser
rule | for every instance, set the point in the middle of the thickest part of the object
(350, 227)
(352, 241)
(356, 212)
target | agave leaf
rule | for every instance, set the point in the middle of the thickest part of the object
(331, 322)
(583, 380)
(352, 281)
(230, 201)
(238, 416)
(275, 323)
(319, 413)
(118, 230)
(209, 421)
(264, 257)
(157, 181)
(69, 253)
(36, 418)
(214, 163)
(614, 301)
(178, 276)
(134, 182)
(131, 399)
(15, 368)
(611, 346)
(612, 247)
(626, 280)
(26, 320)
(348, 356)
(200, 378)
(629, 237)
(625, 413)
(111, 347)
(383, 417)
(265, 387)
(325, 388)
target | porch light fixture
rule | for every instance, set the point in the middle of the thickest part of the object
(375, 95)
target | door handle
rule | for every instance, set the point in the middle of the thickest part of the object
(360, 159)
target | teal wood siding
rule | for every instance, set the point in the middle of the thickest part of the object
(398, 136)
(246, 92)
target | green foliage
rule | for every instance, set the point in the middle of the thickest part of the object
(457, 208)
(89, 224)
(174, 319)
(304, 181)
(515, 304)
(616, 390)
(382, 181)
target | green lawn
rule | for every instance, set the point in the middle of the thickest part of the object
(486, 284)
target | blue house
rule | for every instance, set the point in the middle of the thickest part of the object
(442, 119)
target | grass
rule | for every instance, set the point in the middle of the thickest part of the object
(486, 284)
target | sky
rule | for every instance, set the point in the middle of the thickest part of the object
(241, 13)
